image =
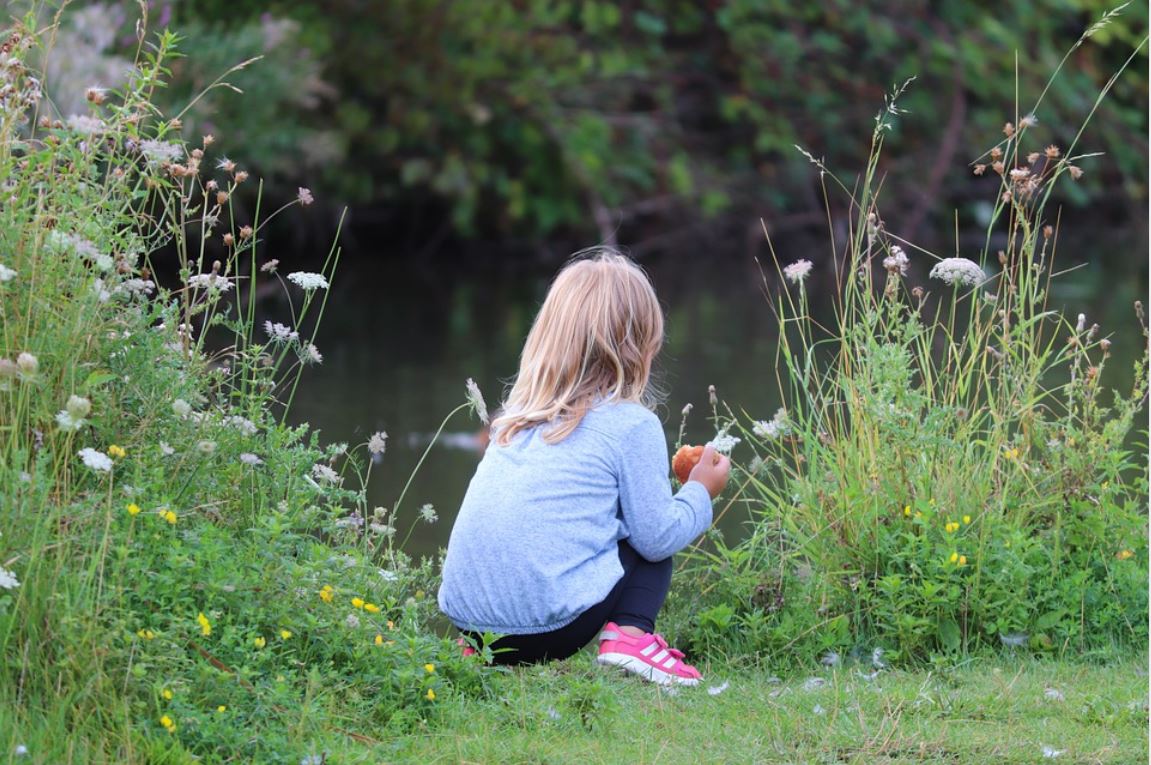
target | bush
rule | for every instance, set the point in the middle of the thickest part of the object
(182, 575)
(948, 474)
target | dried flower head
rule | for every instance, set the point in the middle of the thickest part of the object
(1051, 152)
(1029, 121)
(897, 261)
(979, 169)
(1008, 129)
(229, 240)
(246, 232)
(476, 400)
(241, 176)
(270, 266)
(995, 153)
(1076, 172)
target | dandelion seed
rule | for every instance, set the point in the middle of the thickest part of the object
(476, 400)
(250, 459)
(96, 460)
(327, 475)
(378, 442)
(428, 513)
(304, 196)
(8, 580)
(205, 625)
(897, 261)
(308, 281)
(715, 690)
(798, 271)
(957, 272)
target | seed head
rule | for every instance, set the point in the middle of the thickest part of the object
(96, 95)
(209, 139)
(1051, 152)
(1008, 129)
(246, 232)
(995, 153)
(1032, 158)
(997, 166)
(1105, 344)
(221, 197)
(229, 239)
(176, 124)
(1048, 231)
(241, 176)
(979, 169)
(917, 293)
(1076, 172)
(1029, 121)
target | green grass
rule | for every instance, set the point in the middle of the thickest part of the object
(980, 712)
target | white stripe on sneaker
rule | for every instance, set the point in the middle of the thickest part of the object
(659, 656)
(669, 663)
(649, 649)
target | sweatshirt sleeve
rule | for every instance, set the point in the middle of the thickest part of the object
(658, 524)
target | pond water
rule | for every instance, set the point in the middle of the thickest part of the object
(401, 336)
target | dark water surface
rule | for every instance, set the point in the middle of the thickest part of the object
(399, 340)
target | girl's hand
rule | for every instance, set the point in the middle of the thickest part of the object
(712, 471)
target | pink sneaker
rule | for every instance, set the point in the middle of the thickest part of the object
(465, 649)
(648, 656)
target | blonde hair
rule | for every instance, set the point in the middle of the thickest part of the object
(596, 335)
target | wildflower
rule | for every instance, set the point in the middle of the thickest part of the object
(225, 164)
(29, 365)
(8, 580)
(1124, 555)
(116, 452)
(1076, 172)
(950, 526)
(1008, 129)
(7, 274)
(86, 125)
(166, 450)
(1033, 157)
(371, 608)
(476, 399)
(181, 407)
(21, 750)
(285, 634)
(1020, 174)
(391, 624)
(954, 557)
(133, 509)
(429, 668)
(797, 271)
(724, 442)
(281, 332)
(250, 459)
(145, 634)
(160, 152)
(167, 694)
(205, 625)
(270, 266)
(241, 176)
(1011, 454)
(428, 513)
(774, 428)
(430, 695)
(957, 271)
(304, 196)
(352, 621)
(378, 442)
(229, 240)
(260, 642)
(221, 709)
(979, 169)
(326, 474)
(907, 510)
(327, 594)
(308, 281)
(962, 560)
(897, 261)
(71, 418)
(358, 602)
(168, 724)
(379, 639)
(96, 460)
(967, 519)
(206, 447)
(211, 281)
(310, 354)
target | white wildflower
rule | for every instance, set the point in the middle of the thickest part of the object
(280, 331)
(1013, 639)
(97, 460)
(877, 659)
(384, 529)
(86, 125)
(206, 447)
(811, 683)
(310, 354)
(773, 428)
(250, 459)
(476, 399)
(209, 282)
(830, 659)
(136, 287)
(308, 281)
(242, 424)
(797, 271)
(724, 442)
(896, 261)
(1052, 694)
(21, 750)
(8, 580)
(428, 513)
(1080, 323)
(29, 365)
(817, 709)
(715, 690)
(159, 152)
(352, 621)
(166, 450)
(353, 521)
(378, 442)
(958, 272)
(6, 274)
(327, 475)
(181, 407)
(100, 291)
(1050, 753)
(304, 196)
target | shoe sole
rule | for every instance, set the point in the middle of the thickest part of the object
(643, 669)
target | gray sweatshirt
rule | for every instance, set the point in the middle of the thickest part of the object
(536, 540)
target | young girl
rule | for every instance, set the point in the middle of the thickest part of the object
(569, 524)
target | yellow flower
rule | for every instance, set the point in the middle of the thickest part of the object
(168, 724)
(327, 594)
(379, 639)
(907, 510)
(285, 634)
(133, 509)
(391, 624)
(260, 642)
(371, 608)
(167, 694)
(1011, 454)
(950, 526)
(954, 557)
(962, 560)
(205, 625)
(431, 695)
(918, 514)
(358, 602)
(222, 708)
(1106, 485)
(115, 452)
(1124, 554)
(967, 519)
(429, 668)
(146, 634)
(169, 516)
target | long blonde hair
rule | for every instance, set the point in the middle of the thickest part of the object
(595, 336)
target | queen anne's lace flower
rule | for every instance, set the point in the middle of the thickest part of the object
(774, 428)
(428, 513)
(797, 271)
(209, 282)
(378, 442)
(280, 331)
(8, 580)
(896, 261)
(476, 399)
(724, 442)
(958, 272)
(326, 474)
(97, 460)
(308, 281)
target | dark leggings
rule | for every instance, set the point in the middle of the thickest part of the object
(633, 602)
